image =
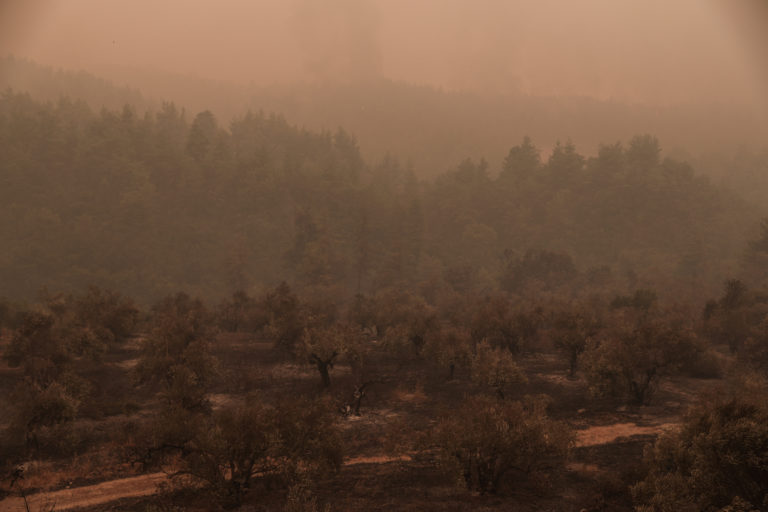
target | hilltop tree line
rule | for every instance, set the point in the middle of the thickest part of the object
(437, 128)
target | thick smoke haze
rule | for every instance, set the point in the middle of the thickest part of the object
(307, 255)
(338, 39)
(650, 52)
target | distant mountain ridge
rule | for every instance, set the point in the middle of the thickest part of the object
(49, 84)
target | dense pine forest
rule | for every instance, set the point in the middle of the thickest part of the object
(154, 202)
(260, 316)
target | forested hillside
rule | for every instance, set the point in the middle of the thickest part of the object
(150, 203)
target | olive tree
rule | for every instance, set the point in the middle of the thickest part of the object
(94, 321)
(176, 353)
(718, 460)
(740, 319)
(635, 351)
(497, 321)
(53, 344)
(323, 346)
(570, 331)
(755, 349)
(36, 347)
(730, 319)
(491, 442)
(51, 391)
(404, 321)
(229, 452)
(450, 347)
(286, 318)
(241, 313)
(42, 415)
(495, 368)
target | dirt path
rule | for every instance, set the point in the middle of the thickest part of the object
(609, 433)
(79, 497)
(133, 487)
(146, 485)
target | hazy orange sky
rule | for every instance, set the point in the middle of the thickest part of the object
(649, 51)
